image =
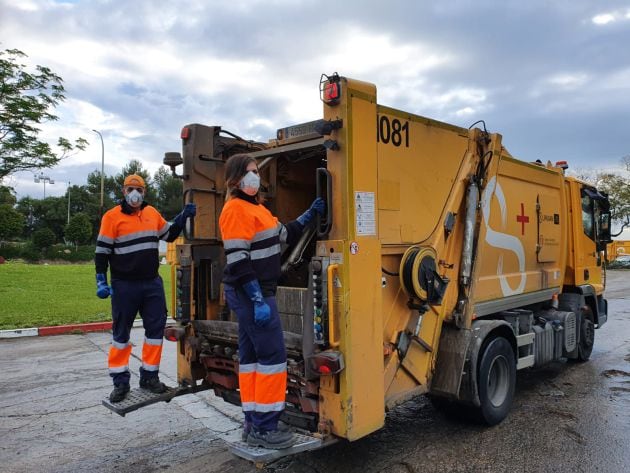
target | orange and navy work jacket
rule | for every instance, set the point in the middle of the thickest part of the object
(252, 239)
(128, 241)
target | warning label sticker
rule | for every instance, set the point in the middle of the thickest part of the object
(365, 213)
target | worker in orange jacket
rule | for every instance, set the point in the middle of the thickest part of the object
(128, 243)
(251, 239)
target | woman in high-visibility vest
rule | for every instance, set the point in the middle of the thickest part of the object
(251, 240)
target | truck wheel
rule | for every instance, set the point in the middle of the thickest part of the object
(587, 335)
(497, 381)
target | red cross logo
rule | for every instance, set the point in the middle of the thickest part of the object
(522, 219)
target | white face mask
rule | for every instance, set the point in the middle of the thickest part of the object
(250, 183)
(134, 198)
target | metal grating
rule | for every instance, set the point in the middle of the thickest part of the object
(137, 398)
(264, 455)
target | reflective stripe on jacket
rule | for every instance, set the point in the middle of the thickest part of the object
(129, 242)
(252, 239)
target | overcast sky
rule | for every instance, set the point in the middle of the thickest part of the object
(553, 77)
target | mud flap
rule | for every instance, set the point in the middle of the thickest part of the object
(261, 456)
(137, 398)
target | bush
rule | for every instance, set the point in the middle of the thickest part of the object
(79, 230)
(31, 253)
(43, 238)
(71, 254)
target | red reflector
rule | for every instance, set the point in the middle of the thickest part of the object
(324, 369)
(185, 134)
(173, 334)
(331, 92)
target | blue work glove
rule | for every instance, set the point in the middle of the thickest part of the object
(103, 290)
(190, 210)
(317, 207)
(262, 311)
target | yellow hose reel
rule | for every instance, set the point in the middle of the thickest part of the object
(418, 276)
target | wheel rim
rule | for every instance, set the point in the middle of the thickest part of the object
(498, 381)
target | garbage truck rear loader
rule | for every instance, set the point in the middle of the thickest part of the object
(442, 265)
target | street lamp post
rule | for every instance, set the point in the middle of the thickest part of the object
(68, 202)
(102, 170)
(43, 178)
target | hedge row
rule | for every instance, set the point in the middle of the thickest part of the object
(29, 252)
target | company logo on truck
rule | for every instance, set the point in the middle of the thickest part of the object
(502, 240)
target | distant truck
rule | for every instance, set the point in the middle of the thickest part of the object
(442, 265)
(617, 248)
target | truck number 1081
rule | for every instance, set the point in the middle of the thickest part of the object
(392, 131)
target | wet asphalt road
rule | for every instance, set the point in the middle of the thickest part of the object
(567, 417)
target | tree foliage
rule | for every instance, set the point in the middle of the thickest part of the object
(169, 193)
(7, 195)
(11, 222)
(618, 189)
(43, 238)
(28, 100)
(79, 230)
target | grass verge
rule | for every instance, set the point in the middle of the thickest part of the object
(39, 295)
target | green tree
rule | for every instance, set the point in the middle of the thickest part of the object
(7, 195)
(50, 213)
(618, 189)
(169, 193)
(111, 191)
(43, 238)
(26, 101)
(11, 222)
(79, 230)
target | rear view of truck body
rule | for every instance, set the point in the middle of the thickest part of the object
(442, 264)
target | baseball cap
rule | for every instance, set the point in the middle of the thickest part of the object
(134, 180)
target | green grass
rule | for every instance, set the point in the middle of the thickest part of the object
(39, 295)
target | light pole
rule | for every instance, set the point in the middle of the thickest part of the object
(44, 179)
(68, 202)
(102, 170)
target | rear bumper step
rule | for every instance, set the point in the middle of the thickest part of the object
(138, 398)
(261, 455)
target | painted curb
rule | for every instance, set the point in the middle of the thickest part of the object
(19, 332)
(61, 329)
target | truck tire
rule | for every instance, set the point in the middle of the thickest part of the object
(587, 335)
(496, 380)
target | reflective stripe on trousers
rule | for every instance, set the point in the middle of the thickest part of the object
(262, 362)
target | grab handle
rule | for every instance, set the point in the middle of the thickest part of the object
(324, 223)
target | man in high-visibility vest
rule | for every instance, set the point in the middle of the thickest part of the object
(128, 243)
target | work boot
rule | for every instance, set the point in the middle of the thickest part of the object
(153, 384)
(272, 439)
(119, 393)
(247, 428)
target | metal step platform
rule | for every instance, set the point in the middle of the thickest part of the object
(137, 398)
(261, 456)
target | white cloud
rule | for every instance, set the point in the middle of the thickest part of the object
(604, 18)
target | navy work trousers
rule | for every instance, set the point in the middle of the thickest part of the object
(144, 296)
(263, 345)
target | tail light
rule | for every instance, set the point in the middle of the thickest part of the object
(326, 363)
(330, 89)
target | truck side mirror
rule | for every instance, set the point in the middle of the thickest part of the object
(604, 229)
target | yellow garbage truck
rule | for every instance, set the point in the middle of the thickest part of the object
(442, 265)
